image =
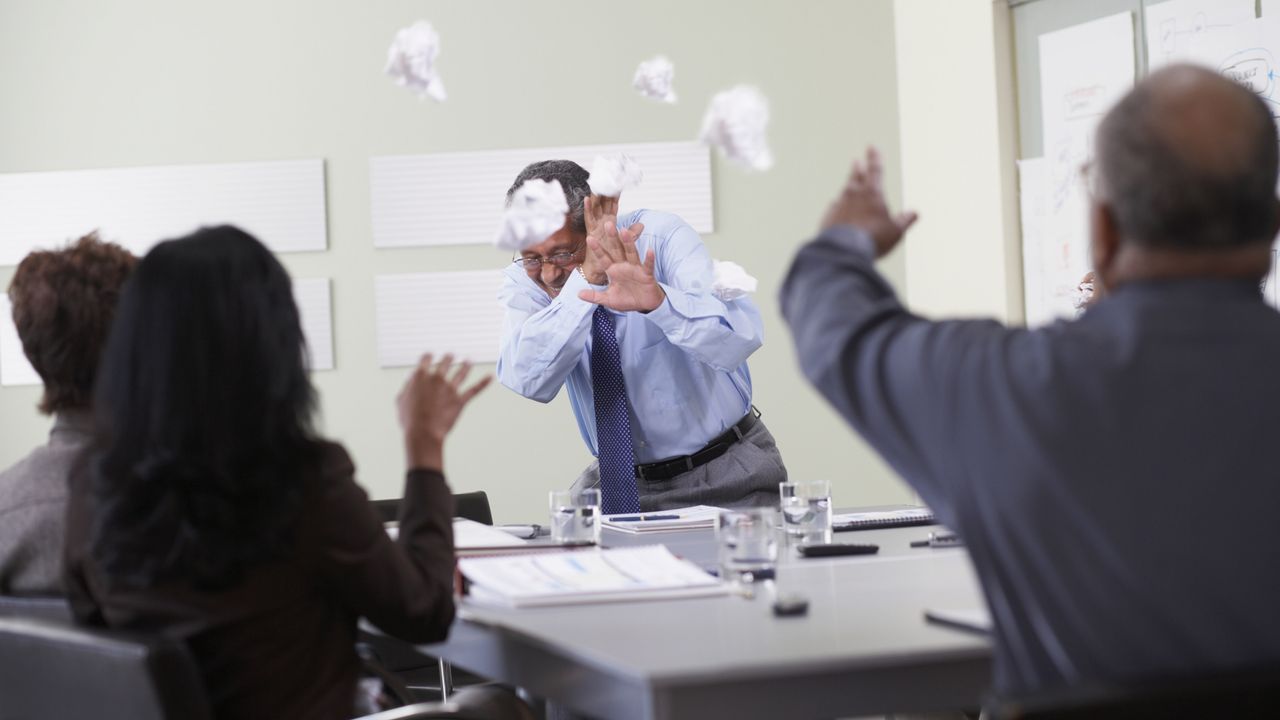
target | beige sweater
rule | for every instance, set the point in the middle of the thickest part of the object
(33, 500)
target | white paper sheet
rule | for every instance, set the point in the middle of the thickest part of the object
(1173, 25)
(280, 203)
(14, 368)
(471, 534)
(315, 310)
(1033, 200)
(458, 198)
(1248, 53)
(1084, 70)
(444, 312)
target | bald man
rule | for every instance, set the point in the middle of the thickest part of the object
(1114, 477)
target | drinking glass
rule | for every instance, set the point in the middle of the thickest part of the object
(806, 511)
(748, 544)
(575, 516)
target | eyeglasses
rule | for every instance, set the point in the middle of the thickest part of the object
(560, 259)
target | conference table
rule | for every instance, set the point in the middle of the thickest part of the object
(863, 648)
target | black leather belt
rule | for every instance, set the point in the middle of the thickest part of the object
(667, 469)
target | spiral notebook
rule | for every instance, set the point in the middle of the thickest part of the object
(882, 519)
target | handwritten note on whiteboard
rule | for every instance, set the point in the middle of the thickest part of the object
(1172, 26)
(444, 312)
(14, 368)
(1084, 70)
(458, 198)
(280, 203)
(316, 314)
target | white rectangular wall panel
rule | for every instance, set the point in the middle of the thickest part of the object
(458, 198)
(315, 309)
(280, 203)
(438, 313)
(14, 368)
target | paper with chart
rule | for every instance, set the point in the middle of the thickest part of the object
(1084, 70)
(1249, 54)
(315, 312)
(443, 312)
(14, 367)
(282, 203)
(1033, 201)
(1174, 25)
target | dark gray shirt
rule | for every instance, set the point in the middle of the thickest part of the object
(33, 504)
(1116, 478)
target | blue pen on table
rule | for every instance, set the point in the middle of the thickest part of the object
(643, 518)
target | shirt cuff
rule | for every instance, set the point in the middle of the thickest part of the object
(670, 315)
(576, 283)
(853, 238)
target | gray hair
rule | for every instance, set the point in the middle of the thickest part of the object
(1188, 160)
(573, 180)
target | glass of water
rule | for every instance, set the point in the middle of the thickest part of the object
(806, 511)
(748, 544)
(575, 516)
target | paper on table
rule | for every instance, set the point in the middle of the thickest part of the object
(612, 175)
(654, 78)
(736, 121)
(411, 60)
(695, 517)
(280, 203)
(1173, 25)
(471, 534)
(14, 367)
(731, 281)
(1084, 70)
(649, 572)
(316, 314)
(444, 312)
(457, 198)
(535, 212)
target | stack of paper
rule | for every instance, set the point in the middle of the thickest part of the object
(880, 519)
(571, 578)
(697, 517)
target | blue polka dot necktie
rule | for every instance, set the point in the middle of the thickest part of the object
(613, 424)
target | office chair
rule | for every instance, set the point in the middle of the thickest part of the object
(55, 670)
(1240, 694)
(46, 607)
(470, 505)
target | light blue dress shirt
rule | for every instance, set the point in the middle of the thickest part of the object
(685, 363)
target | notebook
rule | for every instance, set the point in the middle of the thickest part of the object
(650, 572)
(881, 519)
(697, 517)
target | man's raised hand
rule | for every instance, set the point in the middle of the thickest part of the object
(861, 203)
(632, 285)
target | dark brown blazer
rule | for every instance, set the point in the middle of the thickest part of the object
(281, 642)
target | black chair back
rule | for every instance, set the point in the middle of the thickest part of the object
(469, 505)
(54, 670)
(1246, 693)
(44, 607)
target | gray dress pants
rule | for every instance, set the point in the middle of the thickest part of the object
(747, 474)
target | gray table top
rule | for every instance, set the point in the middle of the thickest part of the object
(865, 617)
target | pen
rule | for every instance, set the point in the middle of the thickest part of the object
(643, 518)
(936, 540)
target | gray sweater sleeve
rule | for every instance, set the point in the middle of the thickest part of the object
(897, 378)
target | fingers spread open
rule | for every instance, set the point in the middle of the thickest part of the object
(461, 374)
(475, 389)
(445, 363)
(875, 169)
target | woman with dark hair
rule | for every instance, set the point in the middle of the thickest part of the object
(213, 513)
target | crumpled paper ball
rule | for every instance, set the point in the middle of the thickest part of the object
(731, 281)
(735, 122)
(411, 60)
(654, 79)
(611, 175)
(536, 211)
